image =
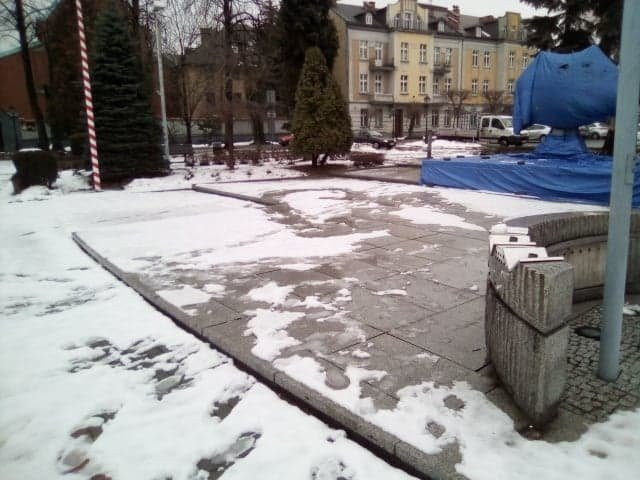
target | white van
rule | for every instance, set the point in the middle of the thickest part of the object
(500, 128)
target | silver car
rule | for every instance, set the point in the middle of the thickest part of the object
(535, 132)
(594, 130)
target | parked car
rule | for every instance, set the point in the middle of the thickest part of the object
(374, 138)
(285, 140)
(500, 128)
(594, 130)
(535, 132)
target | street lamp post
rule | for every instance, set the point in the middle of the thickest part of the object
(624, 152)
(428, 134)
(158, 7)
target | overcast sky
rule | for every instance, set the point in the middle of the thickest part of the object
(477, 8)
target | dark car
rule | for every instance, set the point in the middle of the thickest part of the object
(375, 139)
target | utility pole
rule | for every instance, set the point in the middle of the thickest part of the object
(158, 7)
(624, 153)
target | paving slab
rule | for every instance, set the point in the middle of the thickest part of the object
(456, 334)
(433, 296)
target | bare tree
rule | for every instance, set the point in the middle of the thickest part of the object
(183, 24)
(16, 15)
(456, 99)
(495, 100)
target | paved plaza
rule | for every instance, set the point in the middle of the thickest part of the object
(399, 309)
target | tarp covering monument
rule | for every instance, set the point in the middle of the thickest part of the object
(563, 91)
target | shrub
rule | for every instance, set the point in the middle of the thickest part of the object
(360, 159)
(76, 141)
(34, 167)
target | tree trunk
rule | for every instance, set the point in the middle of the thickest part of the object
(187, 126)
(257, 125)
(43, 139)
(227, 22)
(314, 160)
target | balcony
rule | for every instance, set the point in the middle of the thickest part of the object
(441, 69)
(414, 25)
(382, 98)
(379, 64)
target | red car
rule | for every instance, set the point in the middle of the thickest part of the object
(285, 140)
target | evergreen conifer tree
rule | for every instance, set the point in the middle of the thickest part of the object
(302, 24)
(128, 135)
(321, 123)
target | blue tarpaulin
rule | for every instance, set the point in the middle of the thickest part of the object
(566, 90)
(587, 179)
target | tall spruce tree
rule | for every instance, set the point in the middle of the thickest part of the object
(572, 25)
(302, 24)
(321, 123)
(128, 135)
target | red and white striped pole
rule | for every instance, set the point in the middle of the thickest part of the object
(88, 99)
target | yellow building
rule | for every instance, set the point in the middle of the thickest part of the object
(405, 64)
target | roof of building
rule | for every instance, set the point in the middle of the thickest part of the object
(455, 23)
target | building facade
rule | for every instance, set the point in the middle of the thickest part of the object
(410, 65)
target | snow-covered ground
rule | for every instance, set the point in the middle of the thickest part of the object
(95, 381)
(182, 177)
(414, 151)
(90, 375)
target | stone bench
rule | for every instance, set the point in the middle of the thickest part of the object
(529, 300)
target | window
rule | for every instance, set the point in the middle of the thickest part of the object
(495, 123)
(447, 118)
(407, 20)
(474, 86)
(485, 86)
(404, 51)
(512, 58)
(435, 118)
(364, 118)
(436, 55)
(378, 51)
(377, 118)
(422, 85)
(364, 50)
(377, 83)
(525, 60)
(364, 83)
(368, 19)
(510, 87)
(416, 119)
(441, 26)
(485, 123)
(487, 59)
(404, 84)
(436, 86)
(447, 56)
(473, 120)
(447, 85)
(474, 58)
(423, 53)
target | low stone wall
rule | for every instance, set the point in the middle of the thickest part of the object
(529, 296)
(581, 238)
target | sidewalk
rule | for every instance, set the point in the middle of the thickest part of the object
(365, 300)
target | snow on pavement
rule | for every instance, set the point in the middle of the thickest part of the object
(95, 381)
(143, 398)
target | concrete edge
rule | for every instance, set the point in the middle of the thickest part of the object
(417, 463)
(260, 180)
(237, 196)
(358, 176)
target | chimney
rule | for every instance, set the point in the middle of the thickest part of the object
(369, 6)
(453, 17)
